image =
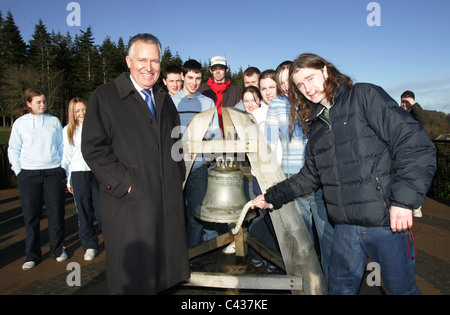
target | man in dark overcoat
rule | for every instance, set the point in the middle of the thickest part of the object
(129, 150)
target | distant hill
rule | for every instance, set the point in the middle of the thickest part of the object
(437, 123)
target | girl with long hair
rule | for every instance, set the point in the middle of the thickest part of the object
(80, 180)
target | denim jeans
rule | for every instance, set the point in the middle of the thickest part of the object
(312, 207)
(353, 245)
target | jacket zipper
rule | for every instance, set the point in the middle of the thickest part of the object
(335, 161)
(380, 189)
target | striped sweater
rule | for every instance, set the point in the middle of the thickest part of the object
(277, 126)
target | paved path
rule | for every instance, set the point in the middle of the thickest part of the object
(431, 232)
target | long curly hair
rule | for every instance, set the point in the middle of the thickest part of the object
(301, 108)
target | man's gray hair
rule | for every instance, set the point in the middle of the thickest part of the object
(144, 37)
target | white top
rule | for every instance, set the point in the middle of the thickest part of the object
(73, 160)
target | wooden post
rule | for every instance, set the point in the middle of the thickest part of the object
(294, 241)
(241, 247)
(266, 282)
(207, 246)
(195, 132)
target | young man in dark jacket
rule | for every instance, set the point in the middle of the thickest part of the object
(375, 164)
(409, 104)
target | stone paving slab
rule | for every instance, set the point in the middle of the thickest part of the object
(431, 234)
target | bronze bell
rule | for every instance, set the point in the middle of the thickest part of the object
(225, 195)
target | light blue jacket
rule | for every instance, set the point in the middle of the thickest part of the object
(277, 126)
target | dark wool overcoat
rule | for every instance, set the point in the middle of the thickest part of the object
(144, 230)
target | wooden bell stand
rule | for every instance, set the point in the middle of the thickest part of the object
(298, 257)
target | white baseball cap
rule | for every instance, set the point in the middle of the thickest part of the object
(218, 61)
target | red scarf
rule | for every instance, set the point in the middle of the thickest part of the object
(219, 89)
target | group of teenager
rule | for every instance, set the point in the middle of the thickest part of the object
(355, 163)
(46, 158)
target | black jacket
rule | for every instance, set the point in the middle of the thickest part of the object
(124, 145)
(370, 154)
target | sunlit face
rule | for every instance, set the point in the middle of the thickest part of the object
(310, 83)
(80, 111)
(284, 81)
(251, 80)
(251, 103)
(38, 105)
(219, 73)
(144, 66)
(268, 88)
(173, 82)
(192, 82)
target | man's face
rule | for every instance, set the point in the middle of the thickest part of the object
(251, 80)
(310, 82)
(144, 65)
(192, 82)
(219, 73)
(406, 105)
(173, 82)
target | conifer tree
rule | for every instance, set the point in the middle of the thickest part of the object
(87, 64)
(13, 52)
(63, 52)
(120, 64)
(13, 49)
(41, 60)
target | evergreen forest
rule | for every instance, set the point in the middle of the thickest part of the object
(65, 67)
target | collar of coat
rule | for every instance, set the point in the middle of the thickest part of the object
(125, 87)
(319, 109)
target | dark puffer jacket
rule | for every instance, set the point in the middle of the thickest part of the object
(369, 155)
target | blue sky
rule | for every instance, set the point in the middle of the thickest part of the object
(410, 49)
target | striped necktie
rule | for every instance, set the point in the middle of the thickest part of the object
(149, 101)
